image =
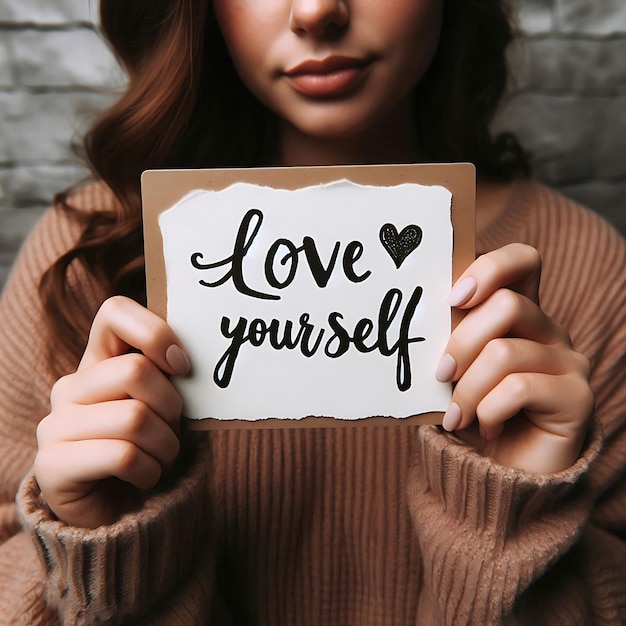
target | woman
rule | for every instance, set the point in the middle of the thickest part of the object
(515, 517)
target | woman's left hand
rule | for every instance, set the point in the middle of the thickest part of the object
(522, 394)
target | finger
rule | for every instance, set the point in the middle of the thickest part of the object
(516, 266)
(122, 324)
(93, 460)
(559, 405)
(499, 359)
(124, 420)
(127, 376)
(504, 313)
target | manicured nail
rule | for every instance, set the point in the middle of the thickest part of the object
(178, 360)
(452, 417)
(462, 291)
(446, 368)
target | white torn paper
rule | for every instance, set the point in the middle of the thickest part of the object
(323, 301)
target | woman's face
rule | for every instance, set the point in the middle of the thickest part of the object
(331, 69)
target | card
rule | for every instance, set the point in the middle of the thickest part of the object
(309, 296)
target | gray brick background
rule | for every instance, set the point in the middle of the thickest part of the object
(568, 105)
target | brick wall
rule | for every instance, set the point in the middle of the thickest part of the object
(55, 72)
(569, 103)
(568, 106)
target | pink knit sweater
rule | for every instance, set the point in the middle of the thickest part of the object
(392, 525)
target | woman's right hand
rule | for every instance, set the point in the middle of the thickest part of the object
(114, 427)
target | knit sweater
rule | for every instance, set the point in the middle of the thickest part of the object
(362, 525)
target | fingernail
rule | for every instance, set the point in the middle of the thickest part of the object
(446, 368)
(462, 291)
(452, 417)
(178, 360)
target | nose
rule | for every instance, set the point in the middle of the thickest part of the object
(318, 17)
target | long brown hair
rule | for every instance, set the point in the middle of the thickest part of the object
(185, 107)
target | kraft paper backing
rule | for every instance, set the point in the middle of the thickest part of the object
(161, 189)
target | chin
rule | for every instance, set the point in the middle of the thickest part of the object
(334, 127)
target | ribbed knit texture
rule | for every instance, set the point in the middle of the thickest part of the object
(358, 526)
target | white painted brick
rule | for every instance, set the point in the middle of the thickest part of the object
(16, 223)
(4, 149)
(4, 141)
(557, 131)
(610, 146)
(535, 16)
(38, 127)
(48, 12)
(37, 184)
(527, 112)
(571, 65)
(591, 17)
(72, 58)
(6, 75)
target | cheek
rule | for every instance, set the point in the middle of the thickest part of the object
(248, 35)
(237, 27)
(416, 25)
(417, 35)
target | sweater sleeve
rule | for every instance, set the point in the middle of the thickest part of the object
(155, 563)
(24, 390)
(125, 570)
(504, 546)
(488, 532)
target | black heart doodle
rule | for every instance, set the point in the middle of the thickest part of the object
(399, 246)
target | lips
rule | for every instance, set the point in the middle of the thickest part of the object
(334, 76)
